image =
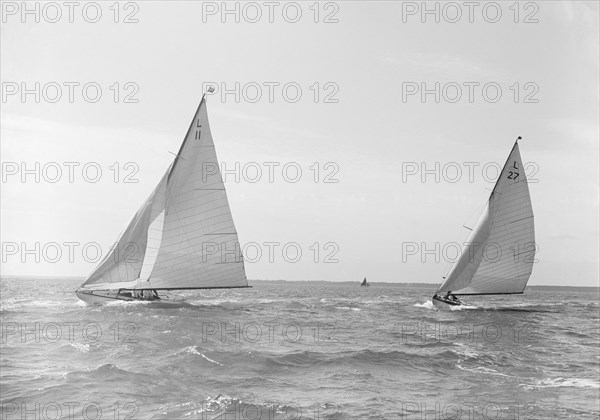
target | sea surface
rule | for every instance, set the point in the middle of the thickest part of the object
(297, 351)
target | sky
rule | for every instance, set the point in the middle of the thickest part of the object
(383, 125)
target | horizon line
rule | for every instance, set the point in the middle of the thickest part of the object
(37, 277)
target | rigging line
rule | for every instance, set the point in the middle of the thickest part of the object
(176, 155)
(153, 150)
(144, 145)
(478, 211)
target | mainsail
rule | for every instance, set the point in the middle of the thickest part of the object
(183, 236)
(499, 255)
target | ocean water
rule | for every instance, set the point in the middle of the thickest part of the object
(297, 351)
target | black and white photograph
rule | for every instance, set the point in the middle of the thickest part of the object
(300, 210)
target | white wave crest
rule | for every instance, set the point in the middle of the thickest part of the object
(194, 350)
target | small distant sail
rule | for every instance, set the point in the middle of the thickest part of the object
(364, 282)
(500, 253)
(183, 236)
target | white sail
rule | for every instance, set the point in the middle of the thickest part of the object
(124, 262)
(155, 231)
(186, 228)
(499, 255)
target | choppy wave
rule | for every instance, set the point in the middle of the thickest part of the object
(225, 406)
(194, 350)
(564, 383)
(300, 352)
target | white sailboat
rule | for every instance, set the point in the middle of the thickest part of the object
(499, 255)
(183, 235)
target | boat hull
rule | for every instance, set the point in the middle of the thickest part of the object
(102, 297)
(445, 304)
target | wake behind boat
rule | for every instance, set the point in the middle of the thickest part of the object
(182, 237)
(499, 255)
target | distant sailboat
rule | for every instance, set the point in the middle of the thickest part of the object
(183, 235)
(499, 255)
(364, 282)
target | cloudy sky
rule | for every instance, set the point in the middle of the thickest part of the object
(360, 96)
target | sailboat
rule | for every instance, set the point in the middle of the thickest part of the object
(364, 282)
(499, 255)
(181, 238)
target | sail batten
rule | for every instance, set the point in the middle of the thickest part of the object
(184, 232)
(499, 255)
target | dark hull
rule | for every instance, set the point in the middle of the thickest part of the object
(441, 302)
(101, 297)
